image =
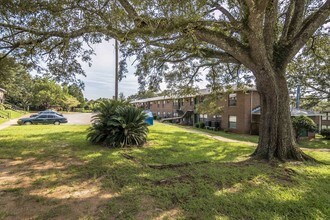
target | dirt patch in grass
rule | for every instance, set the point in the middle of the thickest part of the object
(174, 213)
(28, 183)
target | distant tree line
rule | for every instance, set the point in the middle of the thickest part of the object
(37, 92)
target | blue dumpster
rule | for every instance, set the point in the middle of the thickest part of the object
(150, 117)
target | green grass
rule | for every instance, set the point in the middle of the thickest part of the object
(2, 120)
(316, 143)
(13, 114)
(229, 135)
(227, 187)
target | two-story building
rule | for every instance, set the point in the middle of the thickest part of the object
(326, 119)
(236, 113)
(2, 95)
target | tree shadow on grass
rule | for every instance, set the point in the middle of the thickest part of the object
(188, 147)
(79, 180)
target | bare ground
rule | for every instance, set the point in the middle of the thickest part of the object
(28, 191)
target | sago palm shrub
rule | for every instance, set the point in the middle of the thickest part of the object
(118, 125)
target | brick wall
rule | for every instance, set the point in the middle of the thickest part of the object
(326, 120)
(242, 111)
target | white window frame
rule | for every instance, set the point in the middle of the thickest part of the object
(232, 97)
(232, 120)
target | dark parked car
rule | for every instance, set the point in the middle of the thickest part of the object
(43, 119)
(46, 112)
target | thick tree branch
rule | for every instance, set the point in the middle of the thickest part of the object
(228, 44)
(309, 26)
(269, 30)
(230, 17)
(288, 17)
(206, 52)
(297, 17)
(129, 9)
(70, 34)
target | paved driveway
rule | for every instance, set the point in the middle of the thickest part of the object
(79, 118)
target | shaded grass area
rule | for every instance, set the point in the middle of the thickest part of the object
(230, 135)
(60, 174)
(316, 143)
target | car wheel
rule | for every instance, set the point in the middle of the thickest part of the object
(28, 123)
(57, 123)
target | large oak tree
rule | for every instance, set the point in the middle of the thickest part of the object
(262, 35)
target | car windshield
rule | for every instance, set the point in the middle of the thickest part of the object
(41, 113)
(42, 116)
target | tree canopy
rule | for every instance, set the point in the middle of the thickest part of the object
(176, 41)
(159, 31)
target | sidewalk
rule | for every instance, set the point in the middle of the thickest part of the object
(216, 137)
(11, 122)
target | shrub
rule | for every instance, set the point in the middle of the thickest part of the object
(197, 125)
(202, 125)
(82, 110)
(7, 106)
(2, 107)
(325, 133)
(303, 123)
(118, 125)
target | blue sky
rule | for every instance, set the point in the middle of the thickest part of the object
(99, 80)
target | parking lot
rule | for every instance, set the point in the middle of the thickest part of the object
(79, 118)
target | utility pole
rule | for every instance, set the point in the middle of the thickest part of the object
(298, 97)
(116, 71)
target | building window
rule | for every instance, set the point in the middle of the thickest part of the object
(232, 99)
(203, 117)
(232, 122)
(325, 127)
(164, 103)
(158, 113)
(324, 116)
(191, 101)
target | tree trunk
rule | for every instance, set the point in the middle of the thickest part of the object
(276, 140)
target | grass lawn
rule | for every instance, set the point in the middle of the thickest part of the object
(13, 114)
(2, 120)
(317, 142)
(53, 172)
(230, 135)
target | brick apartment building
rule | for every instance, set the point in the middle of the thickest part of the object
(326, 119)
(236, 115)
(240, 111)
